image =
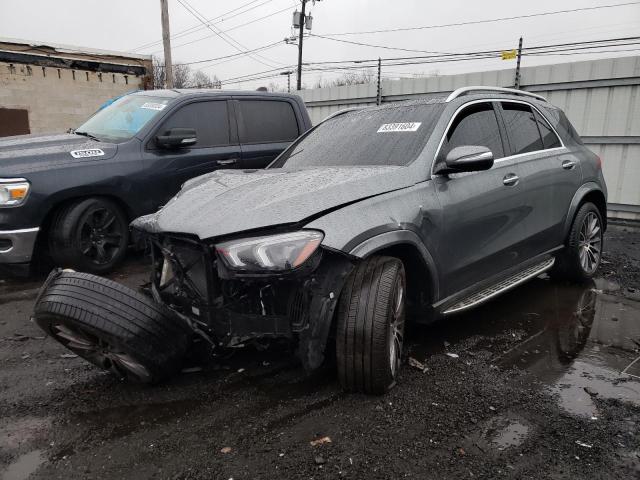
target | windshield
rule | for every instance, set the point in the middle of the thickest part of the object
(125, 117)
(393, 135)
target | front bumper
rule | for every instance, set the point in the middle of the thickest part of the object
(16, 246)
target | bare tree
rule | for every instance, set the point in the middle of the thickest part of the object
(199, 79)
(359, 78)
(181, 76)
(158, 72)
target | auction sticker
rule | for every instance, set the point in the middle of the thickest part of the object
(400, 127)
(91, 152)
(153, 106)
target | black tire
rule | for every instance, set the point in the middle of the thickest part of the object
(371, 309)
(89, 235)
(112, 326)
(580, 259)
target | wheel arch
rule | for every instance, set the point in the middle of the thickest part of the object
(589, 192)
(71, 197)
(418, 262)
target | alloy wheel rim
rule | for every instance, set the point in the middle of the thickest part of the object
(396, 336)
(101, 236)
(590, 243)
(101, 353)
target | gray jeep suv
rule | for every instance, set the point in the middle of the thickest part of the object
(429, 207)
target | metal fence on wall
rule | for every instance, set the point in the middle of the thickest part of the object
(600, 97)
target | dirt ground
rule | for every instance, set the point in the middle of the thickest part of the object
(539, 383)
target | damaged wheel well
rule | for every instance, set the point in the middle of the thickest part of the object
(420, 282)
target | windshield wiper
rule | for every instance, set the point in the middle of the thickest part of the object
(88, 135)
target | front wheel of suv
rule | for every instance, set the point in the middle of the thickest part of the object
(581, 257)
(370, 328)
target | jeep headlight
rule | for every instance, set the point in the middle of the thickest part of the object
(13, 192)
(279, 252)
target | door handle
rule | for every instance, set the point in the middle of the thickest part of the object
(227, 161)
(510, 179)
(569, 164)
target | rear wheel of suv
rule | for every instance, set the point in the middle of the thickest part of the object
(111, 326)
(581, 257)
(370, 328)
(89, 235)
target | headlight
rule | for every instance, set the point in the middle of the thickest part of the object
(274, 252)
(13, 192)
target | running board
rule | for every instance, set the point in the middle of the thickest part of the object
(508, 283)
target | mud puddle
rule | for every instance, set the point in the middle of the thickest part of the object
(583, 342)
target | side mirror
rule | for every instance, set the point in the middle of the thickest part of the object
(177, 138)
(470, 158)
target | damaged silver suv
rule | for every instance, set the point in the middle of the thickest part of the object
(413, 210)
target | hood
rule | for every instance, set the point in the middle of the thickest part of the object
(230, 201)
(24, 154)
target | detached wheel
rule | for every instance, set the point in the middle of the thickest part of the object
(581, 258)
(370, 328)
(112, 326)
(89, 235)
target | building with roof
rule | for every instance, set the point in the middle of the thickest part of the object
(50, 88)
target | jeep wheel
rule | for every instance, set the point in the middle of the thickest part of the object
(581, 257)
(89, 235)
(112, 326)
(370, 328)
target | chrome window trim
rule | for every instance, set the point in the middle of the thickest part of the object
(489, 100)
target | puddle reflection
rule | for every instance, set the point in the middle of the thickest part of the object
(578, 339)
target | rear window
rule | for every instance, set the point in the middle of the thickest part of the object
(522, 128)
(266, 121)
(388, 136)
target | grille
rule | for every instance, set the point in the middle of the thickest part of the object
(297, 308)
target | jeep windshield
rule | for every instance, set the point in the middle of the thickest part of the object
(391, 135)
(123, 119)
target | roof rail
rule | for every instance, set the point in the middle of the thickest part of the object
(461, 91)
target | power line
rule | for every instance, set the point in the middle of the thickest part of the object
(195, 28)
(476, 22)
(359, 64)
(229, 40)
(232, 28)
(233, 55)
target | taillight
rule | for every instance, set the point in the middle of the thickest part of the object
(598, 161)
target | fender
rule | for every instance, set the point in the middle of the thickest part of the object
(584, 189)
(400, 237)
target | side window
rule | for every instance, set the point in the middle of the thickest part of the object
(549, 137)
(475, 125)
(209, 119)
(267, 121)
(522, 128)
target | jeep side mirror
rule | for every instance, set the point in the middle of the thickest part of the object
(177, 138)
(471, 158)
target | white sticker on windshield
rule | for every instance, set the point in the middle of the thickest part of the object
(153, 106)
(91, 152)
(400, 127)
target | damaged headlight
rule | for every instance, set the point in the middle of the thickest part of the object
(274, 252)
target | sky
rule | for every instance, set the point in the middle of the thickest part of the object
(134, 26)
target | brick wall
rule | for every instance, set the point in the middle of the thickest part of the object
(58, 98)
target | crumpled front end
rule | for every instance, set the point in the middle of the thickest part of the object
(233, 309)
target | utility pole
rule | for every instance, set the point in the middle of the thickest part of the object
(517, 79)
(288, 74)
(300, 37)
(166, 41)
(379, 98)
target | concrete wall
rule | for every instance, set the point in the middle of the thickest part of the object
(600, 97)
(59, 98)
